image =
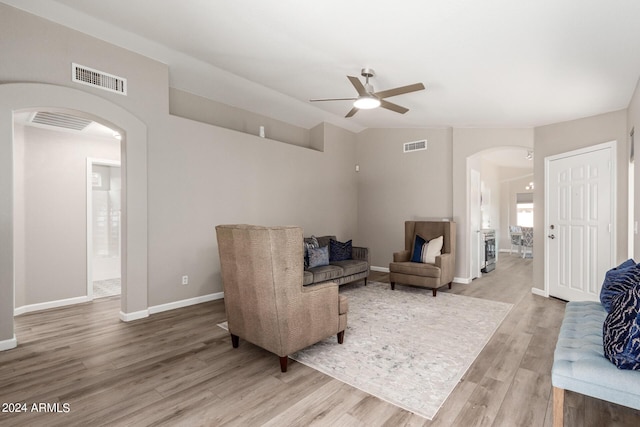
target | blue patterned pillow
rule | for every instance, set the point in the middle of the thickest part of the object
(339, 251)
(621, 330)
(618, 280)
(418, 243)
(318, 256)
(309, 242)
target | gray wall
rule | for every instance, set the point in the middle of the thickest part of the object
(394, 187)
(572, 135)
(633, 122)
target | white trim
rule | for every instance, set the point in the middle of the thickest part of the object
(90, 162)
(8, 344)
(381, 269)
(612, 145)
(461, 280)
(49, 304)
(128, 317)
(540, 292)
(185, 302)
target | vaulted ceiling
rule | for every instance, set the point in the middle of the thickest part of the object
(490, 63)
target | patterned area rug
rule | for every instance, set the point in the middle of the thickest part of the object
(404, 346)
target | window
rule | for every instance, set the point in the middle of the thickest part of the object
(524, 209)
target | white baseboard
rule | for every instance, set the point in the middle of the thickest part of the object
(462, 280)
(380, 269)
(185, 302)
(540, 292)
(129, 317)
(8, 344)
(49, 304)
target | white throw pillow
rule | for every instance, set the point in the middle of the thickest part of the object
(431, 250)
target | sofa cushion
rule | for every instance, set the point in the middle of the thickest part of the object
(307, 278)
(339, 251)
(418, 244)
(318, 256)
(426, 251)
(324, 240)
(352, 266)
(415, 269)
(621, 330)
(619, 280)
(326, 273)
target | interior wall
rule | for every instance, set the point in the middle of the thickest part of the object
(633, 122)
(54, 232)
(394, 187)
(572, 135)
(466, 143)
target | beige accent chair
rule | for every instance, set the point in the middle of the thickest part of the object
(264, 299)
(432, 276)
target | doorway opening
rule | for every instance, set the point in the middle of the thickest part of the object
(104, 216)
(53, 228)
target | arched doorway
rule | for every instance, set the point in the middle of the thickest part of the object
(18, 96)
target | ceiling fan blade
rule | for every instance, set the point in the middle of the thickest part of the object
(399, 90)
(358, 85)
(333, 99)
(393, 107)
(351, 112)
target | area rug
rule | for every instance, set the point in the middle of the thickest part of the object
(405, 346)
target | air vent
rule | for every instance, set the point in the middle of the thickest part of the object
(98, 79)
(415, 146)
(60, 120)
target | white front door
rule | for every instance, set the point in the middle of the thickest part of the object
(579, 223)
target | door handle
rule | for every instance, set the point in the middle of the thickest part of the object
(551, 236)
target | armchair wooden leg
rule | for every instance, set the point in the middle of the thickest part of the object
(283, 363)
(450, 283)
(235, 340)
(340, 337)
(365, 281)
(558, 407)
(435, 291)
(393, 286)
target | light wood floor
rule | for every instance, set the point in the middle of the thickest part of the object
(178, 368)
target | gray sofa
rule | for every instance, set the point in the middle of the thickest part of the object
(339, 272)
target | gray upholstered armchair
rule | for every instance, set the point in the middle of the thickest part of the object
(428, 275)
(264, 299)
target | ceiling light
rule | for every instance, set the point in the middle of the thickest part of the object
(366, 102)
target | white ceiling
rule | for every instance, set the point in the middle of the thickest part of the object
(490, 63)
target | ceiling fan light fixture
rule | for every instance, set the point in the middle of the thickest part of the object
(366, 102)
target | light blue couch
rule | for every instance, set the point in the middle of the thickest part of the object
(579, 364)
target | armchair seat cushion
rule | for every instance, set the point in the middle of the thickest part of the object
(325, 273)
(415, 269)
(352, 266)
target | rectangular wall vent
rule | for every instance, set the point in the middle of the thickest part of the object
(415, 146)
(98, 79)
(60, 120)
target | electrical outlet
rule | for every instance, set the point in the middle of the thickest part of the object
(185, 280)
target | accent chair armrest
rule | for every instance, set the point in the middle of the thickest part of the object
(402, 256)
(446, 262)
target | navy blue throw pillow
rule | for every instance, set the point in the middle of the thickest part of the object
(621, 330)
(418, 242)
(618, 280)
(339, 251)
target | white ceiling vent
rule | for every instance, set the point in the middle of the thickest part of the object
(98, 79)
(415, 146)
(60, 120)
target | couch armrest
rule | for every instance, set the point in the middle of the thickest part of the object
(358, 252)
(402, 256)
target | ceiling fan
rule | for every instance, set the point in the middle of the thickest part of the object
(368, 99)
